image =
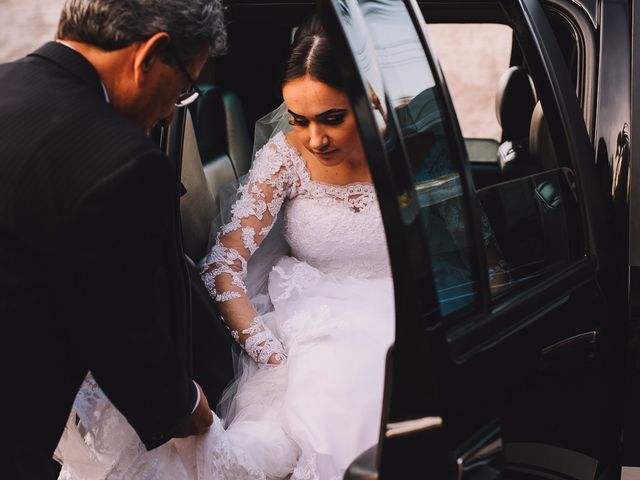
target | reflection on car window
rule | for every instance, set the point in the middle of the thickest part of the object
(536, 221)
(399, 53)
(529, 217)
(417, 104)
(363, 50)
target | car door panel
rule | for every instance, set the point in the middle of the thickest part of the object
(526, 356)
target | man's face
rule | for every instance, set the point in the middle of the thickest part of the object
(149, 93)
(158, 104)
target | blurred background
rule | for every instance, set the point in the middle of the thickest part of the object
(25, 25)
(472, 56)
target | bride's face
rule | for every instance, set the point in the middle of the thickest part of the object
(323, 121)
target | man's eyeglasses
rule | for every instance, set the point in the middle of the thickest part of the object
(192, 92)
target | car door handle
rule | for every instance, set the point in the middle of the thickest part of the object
(407, 427)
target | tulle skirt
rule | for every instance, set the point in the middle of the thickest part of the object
(306, 419)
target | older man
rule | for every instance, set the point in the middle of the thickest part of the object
(91, 272)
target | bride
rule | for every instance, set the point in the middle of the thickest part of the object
(315, 330)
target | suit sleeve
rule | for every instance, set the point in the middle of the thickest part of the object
(109, 275)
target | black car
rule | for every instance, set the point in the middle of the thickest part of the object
(516, 328)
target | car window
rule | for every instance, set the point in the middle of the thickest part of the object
(485, 50)
(535, 223)
(392, 60)
(529, 218)
(529, 215)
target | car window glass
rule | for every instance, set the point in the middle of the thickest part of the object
(529, 217)
(536, 224)
(529, 212)
(363, 51)
(416, 102)
(485, 50)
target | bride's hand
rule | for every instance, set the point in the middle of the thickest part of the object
(277, 359)
(260, 343)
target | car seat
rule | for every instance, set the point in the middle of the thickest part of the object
(211, 341)
(515, 102)
(541, 149)
(223, 138)
(198, 207)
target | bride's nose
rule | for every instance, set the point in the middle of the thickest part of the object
(317, 137)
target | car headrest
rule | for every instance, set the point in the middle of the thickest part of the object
(197, 205)
(541, 146)
(221, 127)
(515, 100)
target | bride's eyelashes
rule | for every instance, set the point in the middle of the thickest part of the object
(333, 119)
(335, 116)
(328, 119)
(298, 121)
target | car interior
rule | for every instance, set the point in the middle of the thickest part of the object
(219, 137)
(524, 187)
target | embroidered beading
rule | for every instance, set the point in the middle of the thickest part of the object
(261, 344)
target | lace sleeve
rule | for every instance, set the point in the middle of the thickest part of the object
(258, 202)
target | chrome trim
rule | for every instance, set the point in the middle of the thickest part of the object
(483, 454)
(398, 429)
(581, 338)
(583, 24)
(592, 10)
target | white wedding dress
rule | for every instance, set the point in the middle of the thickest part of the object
(331, 315)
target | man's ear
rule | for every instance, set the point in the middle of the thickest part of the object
(147, 55)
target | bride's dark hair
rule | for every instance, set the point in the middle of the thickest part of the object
(312, 54)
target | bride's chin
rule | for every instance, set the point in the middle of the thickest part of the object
(331, 159)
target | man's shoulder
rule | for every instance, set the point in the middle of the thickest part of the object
(61, 132)
(100, 131)
(95, 141)
(49, 104)
(107, 147)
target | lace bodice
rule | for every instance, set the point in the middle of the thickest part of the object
(336, 229)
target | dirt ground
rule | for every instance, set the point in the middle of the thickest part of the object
(472, 57)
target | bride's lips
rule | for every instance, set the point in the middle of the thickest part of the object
(326, 154)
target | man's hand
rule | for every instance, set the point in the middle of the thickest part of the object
(199, 421)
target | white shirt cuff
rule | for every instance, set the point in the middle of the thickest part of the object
(197, 397)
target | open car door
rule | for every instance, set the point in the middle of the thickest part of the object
(501, 366)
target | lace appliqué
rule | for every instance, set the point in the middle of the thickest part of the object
(220, 459)
(225, 261)
(261, 344)
(270, 181)
(278, 174)
(301, 277)
(307, 469)
(357, 196)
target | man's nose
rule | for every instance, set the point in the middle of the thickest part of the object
(317, 137)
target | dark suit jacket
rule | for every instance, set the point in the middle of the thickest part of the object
(92, 275)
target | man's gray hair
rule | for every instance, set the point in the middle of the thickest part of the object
(114, 24)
